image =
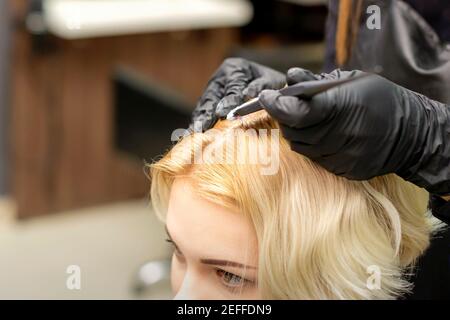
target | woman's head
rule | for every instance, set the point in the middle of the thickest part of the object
(216, 249)
(298, 233)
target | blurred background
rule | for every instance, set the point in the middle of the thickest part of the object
(90, 90)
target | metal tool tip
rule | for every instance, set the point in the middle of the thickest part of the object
(230, 116)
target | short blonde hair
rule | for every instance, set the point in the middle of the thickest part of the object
(318, 233)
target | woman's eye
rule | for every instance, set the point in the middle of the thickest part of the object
(231, 280)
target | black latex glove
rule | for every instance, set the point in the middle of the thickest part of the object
(367, 128)
(236, 81)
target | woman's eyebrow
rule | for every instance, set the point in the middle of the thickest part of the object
(215, 262)
(225, 263)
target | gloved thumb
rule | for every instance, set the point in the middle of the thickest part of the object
(296, 75)
(292, 111)
(282, 108)
(227, 104)
(258, 85)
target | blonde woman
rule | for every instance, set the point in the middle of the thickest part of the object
(396, 123)
(299, 233)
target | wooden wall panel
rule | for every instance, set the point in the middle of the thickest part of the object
(5, 32)
(62, 111)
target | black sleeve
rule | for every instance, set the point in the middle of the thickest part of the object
(431, 278)
(330, 37)
(440, 208)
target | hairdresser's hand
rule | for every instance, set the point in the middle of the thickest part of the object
(368, 128)
(236, 81)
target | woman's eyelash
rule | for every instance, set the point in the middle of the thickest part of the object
(226, 277)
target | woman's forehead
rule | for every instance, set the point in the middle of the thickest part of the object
(202, 227)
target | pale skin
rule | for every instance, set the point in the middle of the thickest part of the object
(215, 249)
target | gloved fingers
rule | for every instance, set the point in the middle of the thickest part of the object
(256, 86)
(310, 136)
(238, 78)
(238, 74)
(315, 143)
(309, 150)
(340, 74)
(293, 112)
(296, 75)
(282, 108)
(214, 91)
(333, 75)
(342, 165)
(332, 162)
(228, 103)
(203, 118)
(205, 109)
